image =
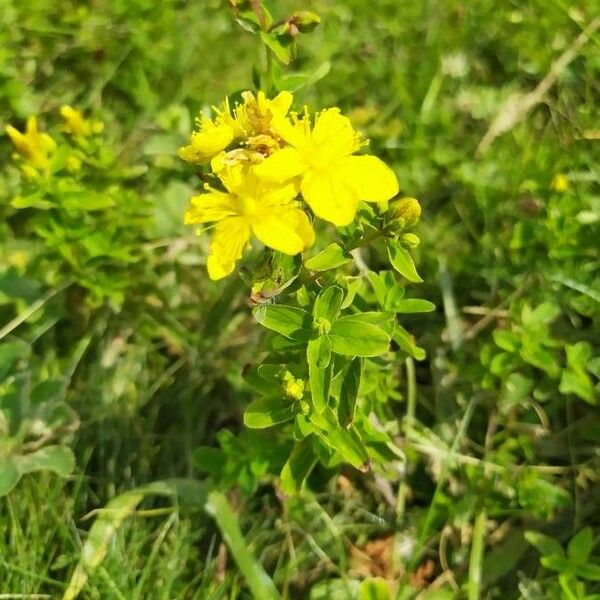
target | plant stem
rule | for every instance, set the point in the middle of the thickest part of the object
(411, 408)
(476, 559)
(367, 239)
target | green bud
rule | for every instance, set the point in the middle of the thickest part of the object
(304, 407)
(410, 240)
(407, 209)
(322, 326)
(304, 20)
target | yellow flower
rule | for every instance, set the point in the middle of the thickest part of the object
(33, 146)
(249, 207)
(292, 387)
(249, 120)
(559, 183)
(76, 125)
(333, 181)
(73, 163)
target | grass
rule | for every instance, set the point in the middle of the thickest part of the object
(159, 377)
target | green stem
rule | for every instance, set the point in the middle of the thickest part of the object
(367, 239)
(476, 559)
(269, 83)
(411, 408)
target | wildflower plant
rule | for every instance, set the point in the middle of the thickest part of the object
(69, 186)
(327, 272)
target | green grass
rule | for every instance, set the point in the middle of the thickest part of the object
(491, 431)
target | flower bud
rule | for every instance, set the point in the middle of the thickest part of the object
(304, 21)
(407, 209)
(409, 240)
(322, 326)
(292, 387)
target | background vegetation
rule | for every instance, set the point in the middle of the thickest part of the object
(113, 341)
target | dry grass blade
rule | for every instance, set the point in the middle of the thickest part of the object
(517, 106)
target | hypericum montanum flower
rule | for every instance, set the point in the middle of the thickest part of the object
(249, 207)
(77, 125)
(249, 123)
(34, 147)
(333, 181)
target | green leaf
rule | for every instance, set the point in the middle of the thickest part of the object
(556, 563)
(297, 468)
(412, 305)
(318, 355)
(537, 356)
(516, 388)
(33, 201)
(588, 571)
(266, 412)
(349, 392)
(344, 441)
(328, 303)
(407, 343)
(580, 546)
(402, 261)
(58, 459)
(209, 460)
(10, 353)
(331, 257)
(543, 314)
(507, 340)
(289, 321)
(575, 379)
(86, 200)
(9, 474)
(280, 46)
(374, 588)
(302, 427)
(353, 337)
(544, 544)
(318, 352)
(296, 81)
(259, 582)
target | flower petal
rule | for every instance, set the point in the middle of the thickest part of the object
(286, 229)
(283, 101)
(370, 178)
(207, 143)
(333, 135)
(229, 239)
(329, 198)
(281, 165)
(213, 206)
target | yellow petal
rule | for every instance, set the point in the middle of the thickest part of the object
(370, 178)
(272, 195)
(286, 229)
(18, 139)
(229, 239)
(329, 198)
(281, 165)
(333, 136)
(297, 134)
(212, 206)
(207, 143)
(283, 101)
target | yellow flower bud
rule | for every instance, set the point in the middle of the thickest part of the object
(559, 183)
(292, 387)
(407, 209)
(73, 163)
